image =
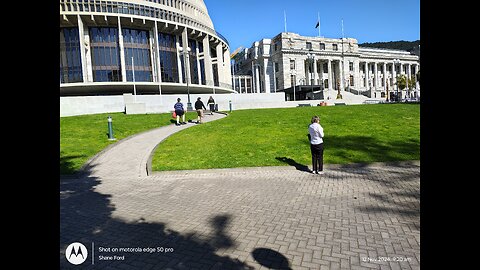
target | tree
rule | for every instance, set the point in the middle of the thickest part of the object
(411, 83)
(401, 81)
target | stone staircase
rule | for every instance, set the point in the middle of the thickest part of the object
(347, 98)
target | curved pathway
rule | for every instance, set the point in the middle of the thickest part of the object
(352, 217)
(128, 158)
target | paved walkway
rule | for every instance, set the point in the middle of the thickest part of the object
(353, 217)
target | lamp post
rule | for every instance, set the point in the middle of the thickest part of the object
(186, 61)
(311, 60)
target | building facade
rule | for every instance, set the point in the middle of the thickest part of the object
(318, 67)
(152, 47)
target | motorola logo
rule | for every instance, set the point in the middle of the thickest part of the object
(76, 253)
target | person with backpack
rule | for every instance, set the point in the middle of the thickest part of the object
(211, 103)
(180, 112)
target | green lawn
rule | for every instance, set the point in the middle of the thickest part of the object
(272, 137)
(81, 137)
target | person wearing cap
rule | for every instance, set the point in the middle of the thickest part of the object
(199, 106)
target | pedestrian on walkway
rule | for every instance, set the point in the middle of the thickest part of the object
(198, 106)
(211, 103)
(179, 111)
(315, 134)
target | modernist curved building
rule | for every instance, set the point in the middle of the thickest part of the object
(154, 47)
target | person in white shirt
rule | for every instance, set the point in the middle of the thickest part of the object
(315, 131)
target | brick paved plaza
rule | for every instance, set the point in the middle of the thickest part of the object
(352, 217)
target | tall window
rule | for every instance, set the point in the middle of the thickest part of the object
(322, 46)
(215, 75)
(70, 60)
(352, 82)
(136, 45)
(105, 54)
(202, 64)
(335, 47)
(168, 57)
(292, 64)
(193, 61)
(351, 66)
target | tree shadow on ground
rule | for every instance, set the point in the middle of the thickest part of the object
(292, 162)
(271, 259)
(86, 217)
(67, 166)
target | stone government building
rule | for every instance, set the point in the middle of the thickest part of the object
(313, 67)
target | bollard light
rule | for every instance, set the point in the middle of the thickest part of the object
(230, 103)
(110, 129)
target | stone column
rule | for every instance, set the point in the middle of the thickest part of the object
(367, 76)
(385, 76)
(394, 75)
(122, 52)
(180, 62)
(221, 78)
(157, 59)
(330, 74)
(409, 71)
(341, 73)
(321, 72)
(186, 56)
(315, 71)
(375, 76)
(208, 61)
(257, 78)
(85, 55)
(266, 76)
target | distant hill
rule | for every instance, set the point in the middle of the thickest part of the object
(411, 46)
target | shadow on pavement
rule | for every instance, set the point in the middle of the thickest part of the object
(292, 162)
(221, 239)
(86, 217)
(271, 259)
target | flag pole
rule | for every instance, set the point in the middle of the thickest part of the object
(318, 14)
(285, 18)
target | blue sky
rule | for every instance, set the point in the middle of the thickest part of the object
(245, 21)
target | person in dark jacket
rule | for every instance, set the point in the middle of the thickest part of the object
(180, 112)
(211, 103)
(199, 106)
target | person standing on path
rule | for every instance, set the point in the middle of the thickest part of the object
(211, 103)
(198, 106)
(315, 132)
(179, 111)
